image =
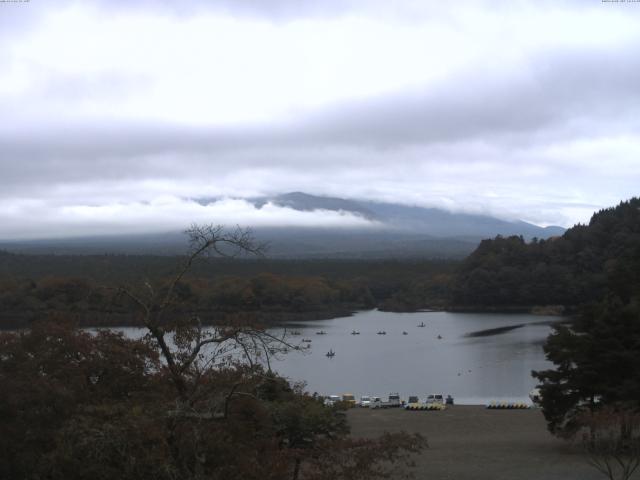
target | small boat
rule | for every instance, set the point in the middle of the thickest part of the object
(331, 353)
(355, 333)
(439, 337)
(422, 324)
(321, 332)
(405, 333)
(294, 332)
(306, 340)
(382, 332)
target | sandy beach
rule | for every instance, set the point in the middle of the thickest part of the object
(473, 443)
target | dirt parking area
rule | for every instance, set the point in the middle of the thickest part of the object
(474, 443)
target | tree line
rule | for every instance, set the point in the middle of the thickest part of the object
(215, 287)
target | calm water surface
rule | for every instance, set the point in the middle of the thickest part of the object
(470, 363)
(480, 357)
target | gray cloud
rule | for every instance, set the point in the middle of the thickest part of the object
(546, 138)
(570, 94)
(559, 88)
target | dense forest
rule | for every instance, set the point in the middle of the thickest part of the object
(270, 290)
(594, 386)
(570, 270)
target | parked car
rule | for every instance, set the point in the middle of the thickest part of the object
(434, 398)
(365, 401)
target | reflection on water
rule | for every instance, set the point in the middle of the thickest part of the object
(493, 331)
(473, 357)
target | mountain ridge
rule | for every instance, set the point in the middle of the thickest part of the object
(412, 217)
(396, 231)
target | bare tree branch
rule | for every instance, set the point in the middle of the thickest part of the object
(190, 338)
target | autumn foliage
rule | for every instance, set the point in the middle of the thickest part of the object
(101, 406)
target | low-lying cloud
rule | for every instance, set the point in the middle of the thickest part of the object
(164, 214)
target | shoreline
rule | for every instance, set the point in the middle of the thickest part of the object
(12, 321)
(543, 310)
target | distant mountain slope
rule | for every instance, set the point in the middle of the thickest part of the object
(442, 223)
(396, 231)
(283, 242)
(428, 221)
(306, 203)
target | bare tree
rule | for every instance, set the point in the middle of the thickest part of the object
(611, 439)
(188, 348)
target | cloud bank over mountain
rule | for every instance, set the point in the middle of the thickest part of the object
(114, 113)
(165, 214)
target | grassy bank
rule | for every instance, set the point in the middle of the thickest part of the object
(473, 443)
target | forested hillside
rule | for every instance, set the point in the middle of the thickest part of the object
(570, 270)
(33, 286)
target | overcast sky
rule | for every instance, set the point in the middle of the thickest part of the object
(113, 115)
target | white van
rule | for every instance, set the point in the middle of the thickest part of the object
(394, 401)
(435, 398)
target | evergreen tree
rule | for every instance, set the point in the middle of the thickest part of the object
(597, 363)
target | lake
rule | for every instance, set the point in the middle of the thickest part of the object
(480, 357)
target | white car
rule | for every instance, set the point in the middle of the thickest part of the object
(365, 401)
(435, 398)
